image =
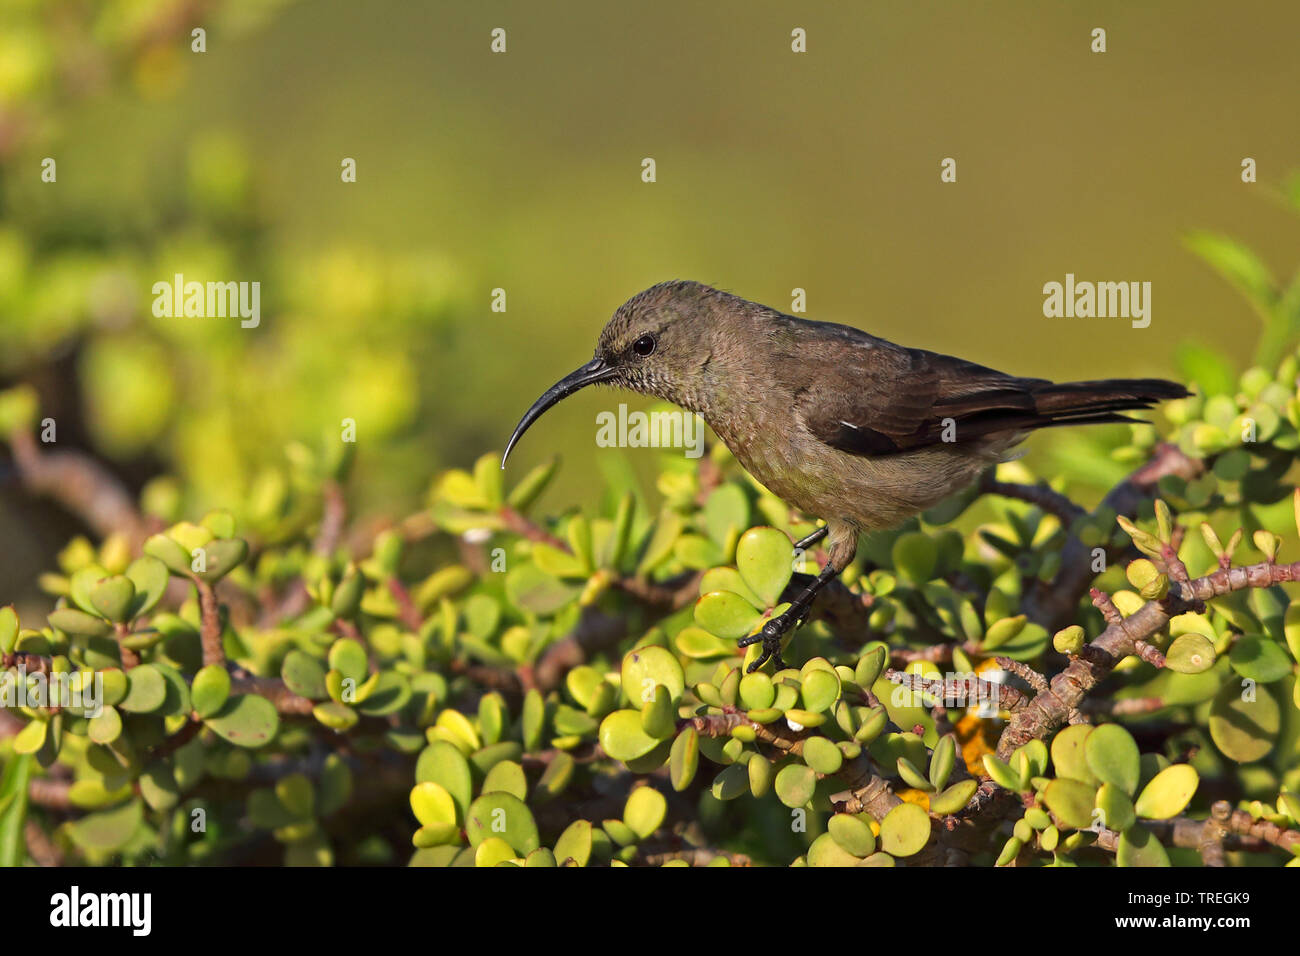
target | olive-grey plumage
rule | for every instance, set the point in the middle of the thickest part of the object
(841, 424)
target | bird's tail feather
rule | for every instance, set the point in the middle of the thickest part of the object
(1029, 404)
(1080, 402)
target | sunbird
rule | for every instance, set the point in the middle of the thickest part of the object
(840, 424)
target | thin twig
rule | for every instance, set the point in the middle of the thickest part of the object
(210, 624)
(1052, 603)
(1049, 710)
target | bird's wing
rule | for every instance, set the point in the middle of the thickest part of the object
(883, 399)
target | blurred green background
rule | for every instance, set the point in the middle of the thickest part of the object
(522, 171)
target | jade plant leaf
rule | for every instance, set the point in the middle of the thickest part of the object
(444, 764)
(764, 558)
(114, 597)
(502, 816)
(1168, 792)
(1116, 807)
(819, 689)
(173, 556)
(1260, 658)
(146, 689)
(1068, 755)
(644, 811)
(795, 784)
(905, 830)
(726, 513)
(1112, 756)
(8, 629)
(915, 556)
(573, 848)
(623, 737)
(726, 615)
(79, 623)
(432, 804)
(822, 755)
(827, 851)
(756, 691)
(210, 689)
(728, 579)
(1139, 847)
(1244, 721)
(1072, 801)
(852, 833)
(532, 589)
(684, 759)
(107, 830)
(658, 718)
(219, 558)
(106, 727)
(348, 657)
(646, 668)
(699, 644)
(1190, 654)
(246, 720)
(303, 674)
(507, 776)
(493, 851)
(81, 583)
(954, 798)
(731, 782)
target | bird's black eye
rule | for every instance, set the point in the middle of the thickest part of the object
(644, 345)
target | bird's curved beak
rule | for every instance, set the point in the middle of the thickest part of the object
(597, 370)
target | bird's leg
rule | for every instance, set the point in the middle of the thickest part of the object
(773, 630)
(804, 544)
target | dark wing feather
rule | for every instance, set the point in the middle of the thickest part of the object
(883, 399)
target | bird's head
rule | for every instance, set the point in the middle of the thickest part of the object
(657, 343)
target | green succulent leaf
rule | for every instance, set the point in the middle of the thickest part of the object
(623, 737)
(1139, 847)
(1244, 721)
(114, 598)
(502, 816)
(795, 784)
(210, 690)
(1116, 807)
(1168, 793)
(574, 846)
(245, 720)
(647, 668)
(726, 615)
(764, 558)
(1112, 755)
(79, 623)
(905, 830)
(1071, 801)
(1190, 654)
(645, 811)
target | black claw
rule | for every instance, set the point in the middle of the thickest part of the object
(789, 619)
(770, 636)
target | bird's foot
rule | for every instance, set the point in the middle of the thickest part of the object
(770, 637)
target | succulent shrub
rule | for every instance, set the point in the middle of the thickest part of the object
(1008, 679)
